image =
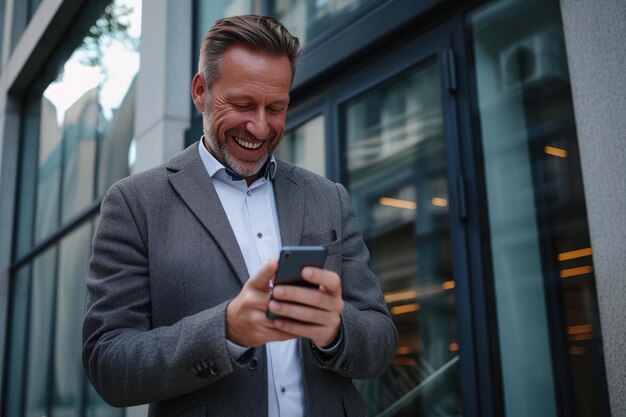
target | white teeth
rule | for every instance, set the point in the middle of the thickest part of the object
(248, 145)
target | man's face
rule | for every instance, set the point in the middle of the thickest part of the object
(244, 117)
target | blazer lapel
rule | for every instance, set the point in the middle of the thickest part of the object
(289, 204)
(193, 184)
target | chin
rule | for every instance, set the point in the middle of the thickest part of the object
(245, 170)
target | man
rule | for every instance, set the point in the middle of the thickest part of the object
(184, 257)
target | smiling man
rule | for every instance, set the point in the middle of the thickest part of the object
(185, 253)
(244, 114)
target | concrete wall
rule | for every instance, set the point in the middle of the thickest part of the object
(164, 89)
(595, 35)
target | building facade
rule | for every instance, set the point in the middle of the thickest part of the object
(482, 143)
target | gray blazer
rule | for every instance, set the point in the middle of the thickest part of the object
(166, 263)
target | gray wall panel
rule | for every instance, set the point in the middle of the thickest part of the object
(595, 35)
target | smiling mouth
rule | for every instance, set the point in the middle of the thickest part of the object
(246, 144)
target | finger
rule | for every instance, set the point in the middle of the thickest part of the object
(309, 297)
(328, 279)
(302, 313)
(320, 335)
(261, 279)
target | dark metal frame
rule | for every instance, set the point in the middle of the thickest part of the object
(87, 15)
(479, 364)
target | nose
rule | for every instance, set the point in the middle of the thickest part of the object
(258, 125)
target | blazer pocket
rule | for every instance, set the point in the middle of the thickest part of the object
(326, 238)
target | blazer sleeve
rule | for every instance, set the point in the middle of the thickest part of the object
(126, 360)
(369, 335)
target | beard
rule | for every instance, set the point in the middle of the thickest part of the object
(220, 150)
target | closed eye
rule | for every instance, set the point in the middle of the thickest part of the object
(275, 110)
(242, 106)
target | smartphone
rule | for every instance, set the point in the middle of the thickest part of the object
(290, 263)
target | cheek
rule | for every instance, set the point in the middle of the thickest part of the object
(223, 119)
(278, 124)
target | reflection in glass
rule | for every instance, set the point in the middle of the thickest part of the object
(86, 113)
(76, 139)
(17, 338)
(29, 168)
(49, 172)
(396, 170)
(305, 146)
(307, 19)
(79, 153)
(208, 11)
(68, 378)
(32, 7)
(40, 322)
(547, 312)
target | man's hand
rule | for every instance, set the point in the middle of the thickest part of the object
(246, 323)
(316, 313)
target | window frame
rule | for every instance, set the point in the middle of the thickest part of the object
(373, 72)
(30, 84)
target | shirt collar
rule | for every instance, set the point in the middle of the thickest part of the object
(215, 168)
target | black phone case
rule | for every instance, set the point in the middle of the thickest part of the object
(293, 259)
(290, 263)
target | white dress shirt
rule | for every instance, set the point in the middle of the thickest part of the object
(251, 212)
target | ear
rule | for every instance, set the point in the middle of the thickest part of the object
(198, 92)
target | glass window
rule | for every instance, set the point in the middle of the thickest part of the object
(305, 146)
(307, 19)
(2, 7)
(68, 378)
(39, 348)
(32, 7)
(77, 131)
(29, 169)
(17, 341)
(81, 127)
(396, 172)
(547, 313)
(48, 173)
(208, 11)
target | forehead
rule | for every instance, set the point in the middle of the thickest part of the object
(244, 69)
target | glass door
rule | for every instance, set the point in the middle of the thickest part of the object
(397, 136)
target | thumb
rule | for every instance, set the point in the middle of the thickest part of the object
(261, 279)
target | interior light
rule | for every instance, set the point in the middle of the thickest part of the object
(571, 272)
(439, 202)
(400, 296)
(565, 256)
(395, 202)
(582, 328)
(550, 150)
(407, 308)
(448, 285)
(403, 350)
(580, 337)
(453, 347)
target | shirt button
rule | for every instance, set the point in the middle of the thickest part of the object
(249, 193)
(283, 389)
(259, 235)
